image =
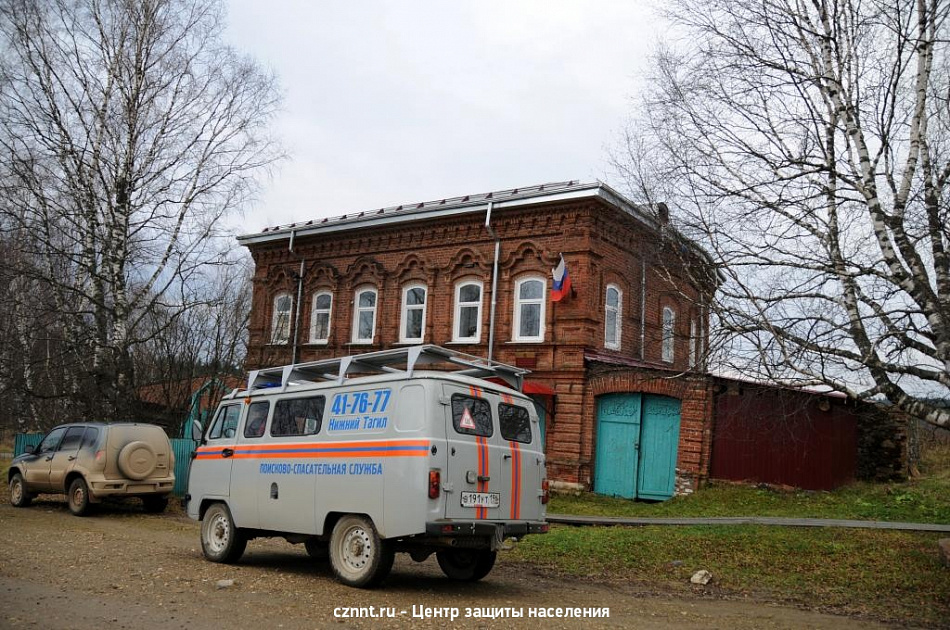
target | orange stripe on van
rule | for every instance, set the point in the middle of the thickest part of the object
(483, 470)
(515, 480)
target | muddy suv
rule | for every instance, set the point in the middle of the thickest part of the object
(89, 462)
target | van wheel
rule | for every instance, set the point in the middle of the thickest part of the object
(155, 505)
(358, 555)
(19, 497)
(221, 541)
(466, 565)
(78, 497)
(317, 549)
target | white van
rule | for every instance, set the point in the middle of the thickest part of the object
(363, 466)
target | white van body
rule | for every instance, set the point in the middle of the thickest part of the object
(431, 461)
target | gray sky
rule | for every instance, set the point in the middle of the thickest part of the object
(392, 102)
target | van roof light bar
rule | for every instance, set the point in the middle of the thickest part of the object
(395, 361)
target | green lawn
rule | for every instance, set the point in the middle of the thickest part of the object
(886, 575)
(923, 500)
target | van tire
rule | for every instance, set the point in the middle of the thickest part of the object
(358, 556)
(78, 497)
(466, 565)
(19, 497)
(221, 541)
(137, 460)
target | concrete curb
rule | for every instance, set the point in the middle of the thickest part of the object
(564, 519)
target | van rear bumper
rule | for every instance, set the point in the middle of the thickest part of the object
(485, 528)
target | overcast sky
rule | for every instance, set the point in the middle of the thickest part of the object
(392, 102)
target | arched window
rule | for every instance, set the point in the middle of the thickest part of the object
(280, 322)
(529, 309)
(669, 323)
(320, 317)
(468, 312)
(364, 315)
(613, 308)
(413, 324)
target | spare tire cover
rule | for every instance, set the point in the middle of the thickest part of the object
(137, 460)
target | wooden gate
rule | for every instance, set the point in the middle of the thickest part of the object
(637, 442)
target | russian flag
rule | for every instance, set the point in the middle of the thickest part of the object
(562, 281)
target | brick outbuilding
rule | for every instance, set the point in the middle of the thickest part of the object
(616, 366)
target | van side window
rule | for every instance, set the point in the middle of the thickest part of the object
(298, 416)
(471, 416)
(256, 419)
(225, 424)
(515, 423)
(51, 441)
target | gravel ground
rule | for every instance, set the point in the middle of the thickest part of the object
(124, 569)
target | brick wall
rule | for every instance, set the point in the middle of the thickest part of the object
(601, 245)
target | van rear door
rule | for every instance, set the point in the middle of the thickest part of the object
(475, 466)
(519, 427)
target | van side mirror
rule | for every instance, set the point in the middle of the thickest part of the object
(196, 431)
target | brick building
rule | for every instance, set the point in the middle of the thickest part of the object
(616, 365)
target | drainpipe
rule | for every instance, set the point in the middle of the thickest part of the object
(290, 246)
(494, 282)
(643, 306)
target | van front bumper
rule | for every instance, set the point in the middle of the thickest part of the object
(514, 529)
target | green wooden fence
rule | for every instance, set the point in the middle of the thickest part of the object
(181, 448)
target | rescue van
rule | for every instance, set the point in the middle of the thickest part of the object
(367, 455)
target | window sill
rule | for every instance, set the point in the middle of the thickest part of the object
(473, 342)
(325, 342)
(523, 341)
(409, 343)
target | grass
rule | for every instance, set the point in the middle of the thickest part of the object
(890, 576)
(886, 575)
(923, 500)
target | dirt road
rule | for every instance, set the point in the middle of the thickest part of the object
(124, 569)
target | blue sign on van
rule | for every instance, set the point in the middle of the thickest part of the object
(357, 411)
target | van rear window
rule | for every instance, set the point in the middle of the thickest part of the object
(515, 423)
(471, 416)
(298, 416)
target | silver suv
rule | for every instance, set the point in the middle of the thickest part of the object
(90, 461)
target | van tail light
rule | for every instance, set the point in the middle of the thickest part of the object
(544, 492)
(434, 483)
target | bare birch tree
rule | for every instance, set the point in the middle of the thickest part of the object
(128, 130)
(806, 144)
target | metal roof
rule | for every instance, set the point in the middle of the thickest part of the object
(501, 199)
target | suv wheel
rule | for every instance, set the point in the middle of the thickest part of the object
(221, 541)
(78, 497)
(358, 556)
(19, 497)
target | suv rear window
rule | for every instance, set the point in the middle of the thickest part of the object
(471, 416)
(298, 416)
(515, 423)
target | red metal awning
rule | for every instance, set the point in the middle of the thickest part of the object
(533, 388)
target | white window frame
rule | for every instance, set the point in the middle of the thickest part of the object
(275, 320)
(668, 327)
(457, 313)
(314, 311)
(519, 303)
(406, 307)
(618, 312)
(355, 337)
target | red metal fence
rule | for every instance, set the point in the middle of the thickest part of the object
(785, 437)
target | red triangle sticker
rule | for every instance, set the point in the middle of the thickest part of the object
(467, 422)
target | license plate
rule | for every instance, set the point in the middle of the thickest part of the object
(481, 499)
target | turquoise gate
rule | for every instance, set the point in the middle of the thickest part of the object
(637, 443)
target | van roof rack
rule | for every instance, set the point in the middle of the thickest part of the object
(395, 361)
